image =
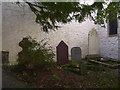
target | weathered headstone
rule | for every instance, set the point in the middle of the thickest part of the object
(76, 54)
(62, 53)
(93, 42)
(83, 68)
(5, 57)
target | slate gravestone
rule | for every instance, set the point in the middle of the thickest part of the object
(62, 53)
(76, 54)
(5, 57)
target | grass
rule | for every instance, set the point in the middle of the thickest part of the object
(69, 76)
(101, 80)
(112, 62)
(98, 58)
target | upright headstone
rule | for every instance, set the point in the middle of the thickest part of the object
(62, 53)
(93, 42)
(5, 57)
(83, 68)
(76, 54)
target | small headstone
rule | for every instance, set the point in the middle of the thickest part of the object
(76, 54)
(62, 53)
(5, 57)
(83, 68)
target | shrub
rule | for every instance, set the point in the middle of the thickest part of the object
(35, 55)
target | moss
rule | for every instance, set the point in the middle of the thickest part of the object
(95, 57)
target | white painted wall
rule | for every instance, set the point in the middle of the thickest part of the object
(119, 40)
(20, 22)
(108, 44)
(0, 44)
(0, 29)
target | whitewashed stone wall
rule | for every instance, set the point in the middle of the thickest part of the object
(93, 42)
(0, 45)
(108, 44)
(20, 22)
(119, 40)
(0, 28)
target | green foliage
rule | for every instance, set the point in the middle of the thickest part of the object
(95, 67)
(34, 55)
(27, 76)
(103, 83)
(49, 14)
(76, 67)
(94, 57)
(83, 68)
(72, 64)
(71, 69)
(55, 77)
(109, 81)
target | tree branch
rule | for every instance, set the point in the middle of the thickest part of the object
(35, 5)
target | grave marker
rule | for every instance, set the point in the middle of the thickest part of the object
(62, 53)
(76, 54)
(5, 57)
(93, 42)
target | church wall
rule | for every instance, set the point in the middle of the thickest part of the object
(20, 22)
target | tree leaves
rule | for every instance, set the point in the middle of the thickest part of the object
(49, 14)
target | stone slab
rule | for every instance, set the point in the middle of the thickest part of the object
(76, 54)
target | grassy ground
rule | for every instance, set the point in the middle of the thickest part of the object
(96, 76)
(112, 62)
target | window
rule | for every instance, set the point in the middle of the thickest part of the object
(113, 27)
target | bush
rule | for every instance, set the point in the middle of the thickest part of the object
(34, 55)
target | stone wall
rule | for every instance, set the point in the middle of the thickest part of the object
(108, 44)
(0, 32)
(19, 22)
(119, 40)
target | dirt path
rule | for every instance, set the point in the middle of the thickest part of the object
(9, 81)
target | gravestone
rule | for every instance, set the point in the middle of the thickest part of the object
(5, 57)
(93, 43)
(76, 54)
(62, 53)
(83, 68)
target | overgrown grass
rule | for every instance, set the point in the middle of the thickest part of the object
(97, 76)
